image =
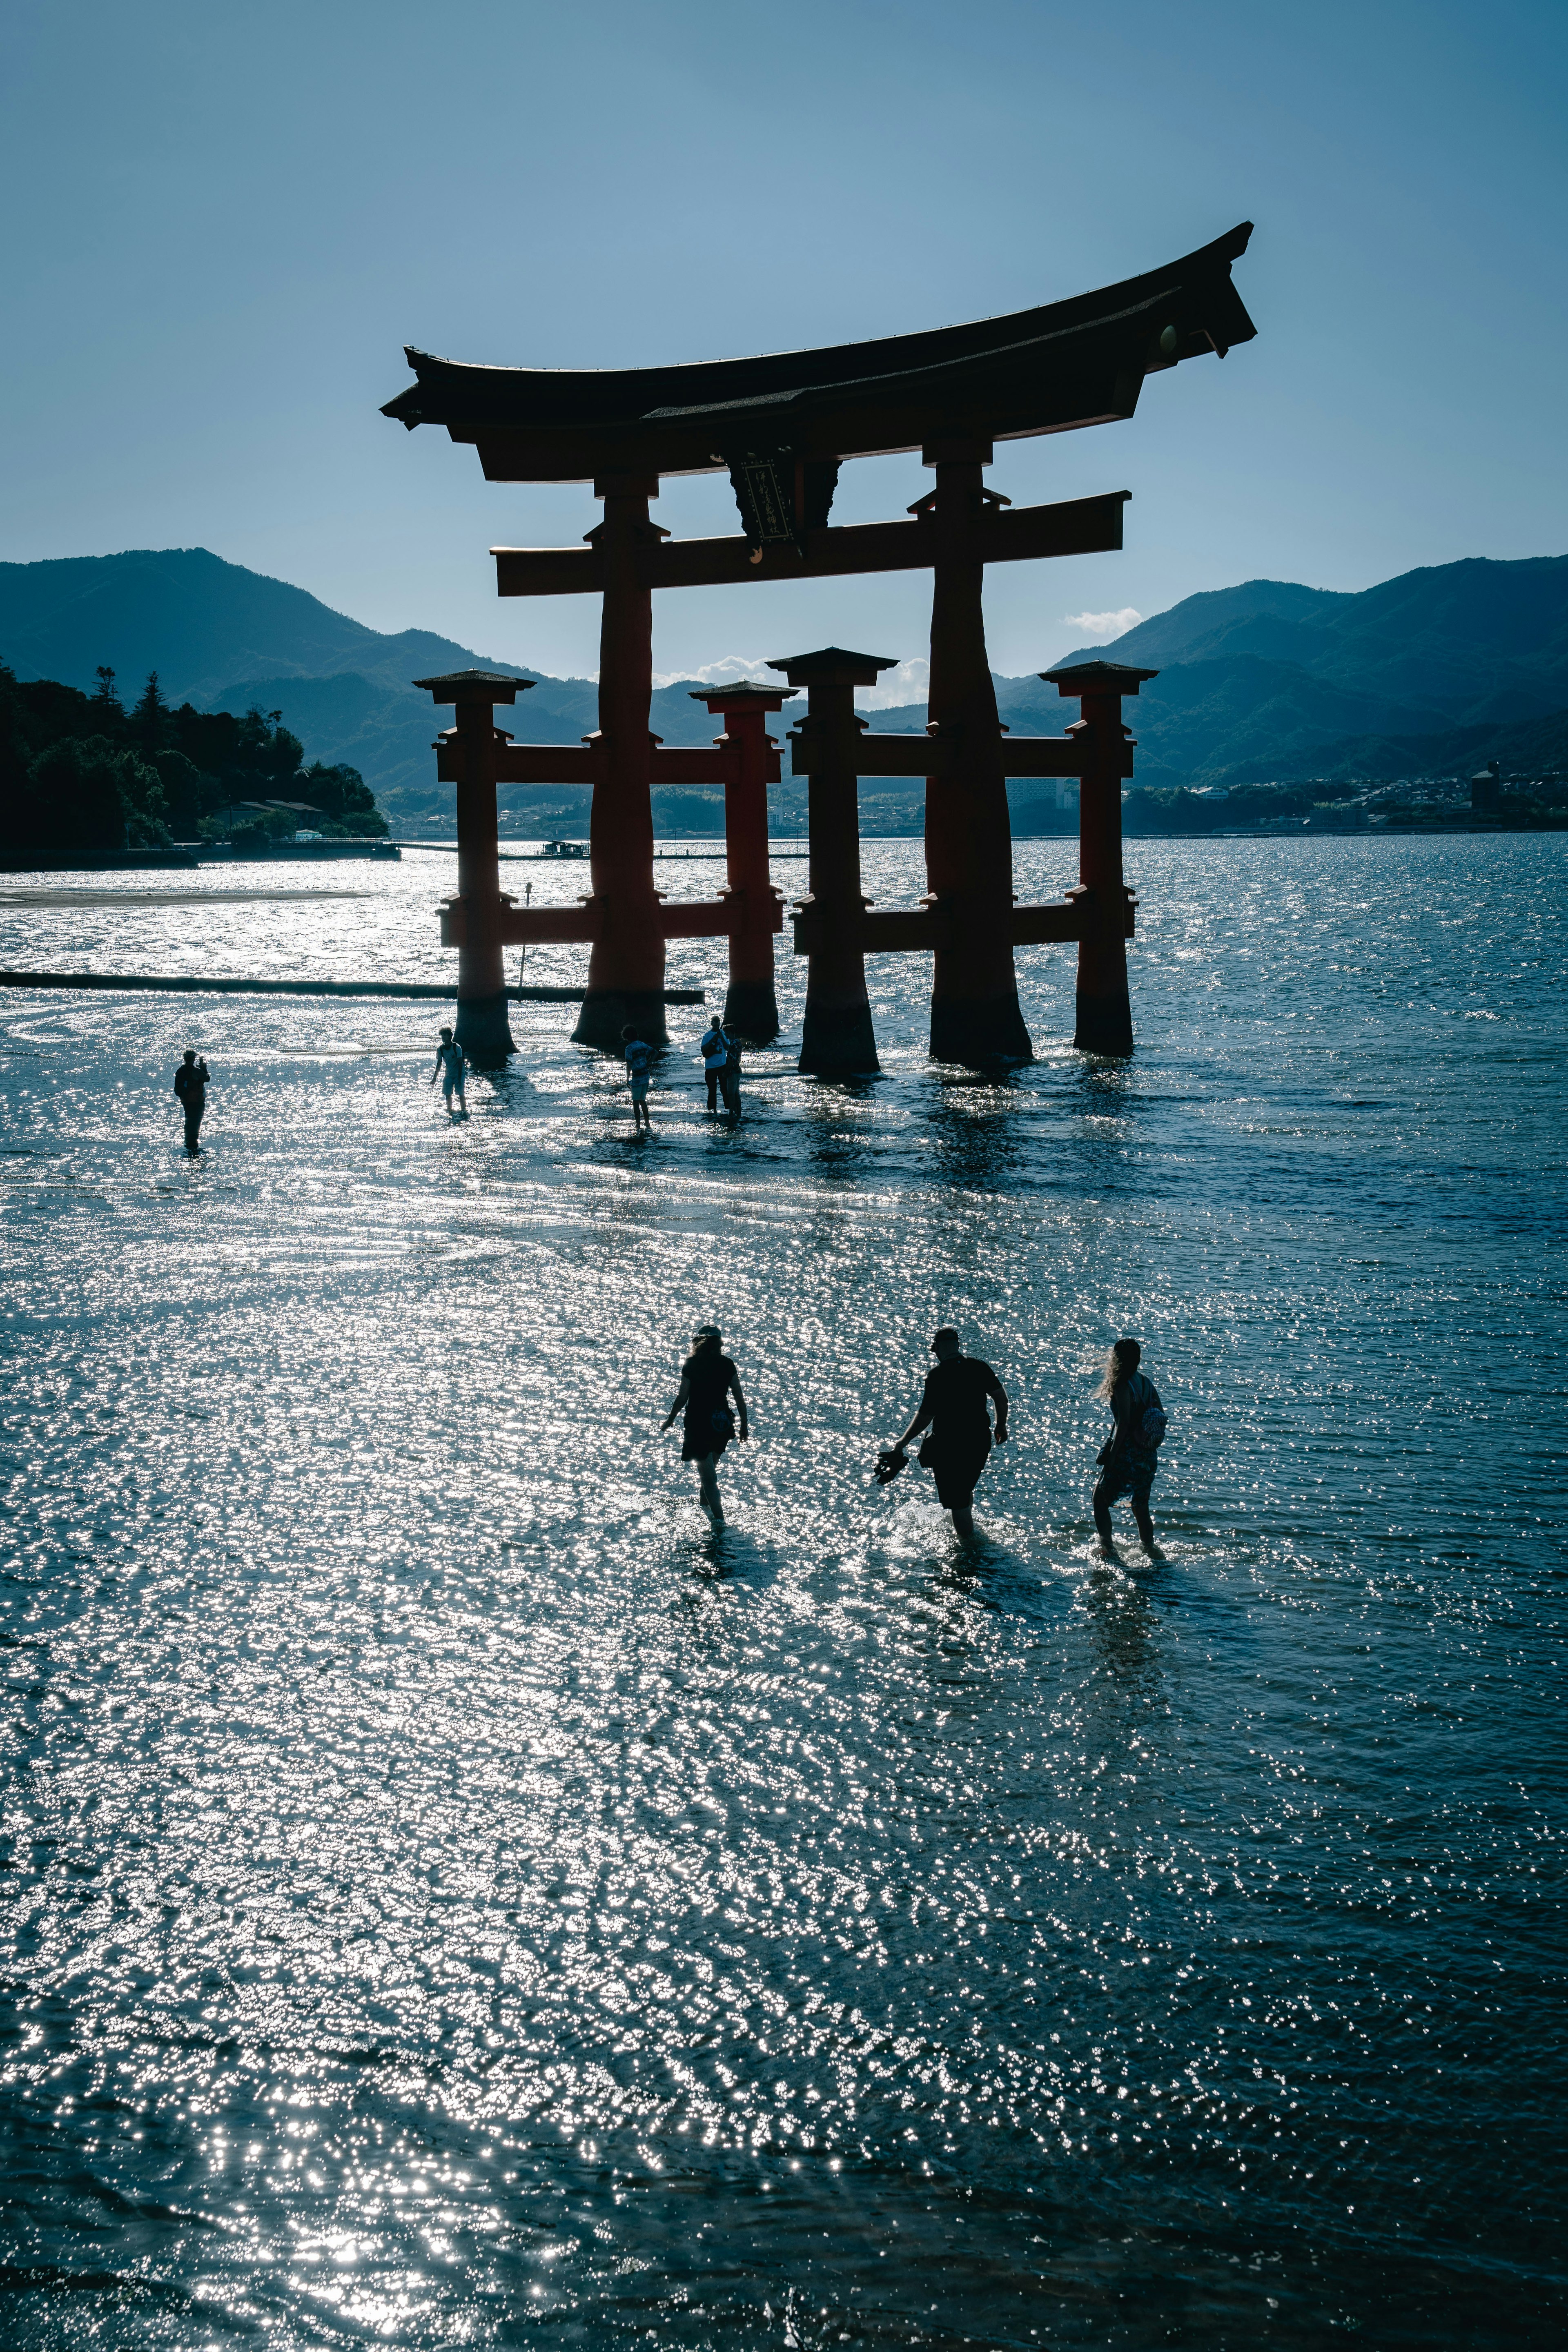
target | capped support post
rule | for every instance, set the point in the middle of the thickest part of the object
(751, 1001)
(626, 966)
(472, 750)
(837, 1038)
(1104, 1011)
(975, 1014)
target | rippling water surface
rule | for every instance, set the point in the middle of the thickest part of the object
(452, 1897)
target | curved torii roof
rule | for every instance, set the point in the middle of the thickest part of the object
(1065, 364)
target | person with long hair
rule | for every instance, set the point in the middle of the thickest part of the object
(708, 1378)
(1130, 1455)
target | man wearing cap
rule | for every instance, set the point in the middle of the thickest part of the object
(953, 1408)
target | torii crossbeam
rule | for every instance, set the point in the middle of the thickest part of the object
(782, 427)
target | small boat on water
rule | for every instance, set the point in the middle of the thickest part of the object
(564, 849)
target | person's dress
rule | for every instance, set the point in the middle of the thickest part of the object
(709, 1423)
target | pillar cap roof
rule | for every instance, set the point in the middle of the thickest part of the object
(1096, 678)
(745, 692)
(832, 665)
(474, 685)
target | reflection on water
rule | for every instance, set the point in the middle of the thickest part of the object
(453, 1894)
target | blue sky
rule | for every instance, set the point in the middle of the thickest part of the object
(225, 222)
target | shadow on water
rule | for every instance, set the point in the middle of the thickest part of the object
(727, 1555)
(1121, 1610)
(981, 1145)
(843, 1140)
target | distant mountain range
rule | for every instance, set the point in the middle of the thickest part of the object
(1269, 680)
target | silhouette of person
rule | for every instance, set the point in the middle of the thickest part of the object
(639, 1062)
(715, 1052)
(1130, 1455)
(707, 1378)
(954, 1408)
(191, 1087)
(729, 1077)
(451, 1068)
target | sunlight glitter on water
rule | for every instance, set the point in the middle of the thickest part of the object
(452, 1893)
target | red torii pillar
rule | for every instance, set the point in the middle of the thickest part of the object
(747, 913)
(751, 1002)
(975, 1014)
(625, 966)
(837, 1038)
(470, 754)
(1104, 1011)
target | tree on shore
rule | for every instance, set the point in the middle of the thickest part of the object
(174, 774)
(148, 725)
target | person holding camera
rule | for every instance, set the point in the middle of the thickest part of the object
(191, 1085)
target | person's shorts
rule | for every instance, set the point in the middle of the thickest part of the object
(1130, 1474)
(640, 1090)
(957, 1476)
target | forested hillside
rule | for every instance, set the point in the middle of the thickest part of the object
(82, 778)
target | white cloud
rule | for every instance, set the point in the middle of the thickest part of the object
(908, 683)
(730, 671)
(1100, 627)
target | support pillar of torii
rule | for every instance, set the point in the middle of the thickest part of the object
(481, 920)
(835, 927)
(468, 758)
(837, 1038)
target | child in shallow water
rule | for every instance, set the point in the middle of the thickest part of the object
(451, 1068)
(639, 1058)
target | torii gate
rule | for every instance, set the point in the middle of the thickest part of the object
(782, 427)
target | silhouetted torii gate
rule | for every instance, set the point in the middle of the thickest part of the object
(782, 427)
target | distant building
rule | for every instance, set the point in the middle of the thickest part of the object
(1486, 791)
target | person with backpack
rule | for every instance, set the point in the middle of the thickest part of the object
(451, 1068)
(191, 1082)
(708, 1378)
(639, 1062)
(715, 1052)
(1130, 1455)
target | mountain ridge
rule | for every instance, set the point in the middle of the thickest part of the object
(1266, 677)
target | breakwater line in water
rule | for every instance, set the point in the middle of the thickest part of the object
(122, 982)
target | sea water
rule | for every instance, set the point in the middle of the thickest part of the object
(452, 1896)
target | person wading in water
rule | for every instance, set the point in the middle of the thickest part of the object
(639, 1065)
(1130, 1455)
(451, 1068)
(707, 1378)
(954, 1408)
(715, 1053)
(729, 1077)
(191, 1085)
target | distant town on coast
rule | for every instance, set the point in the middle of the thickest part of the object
(1435, 701)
